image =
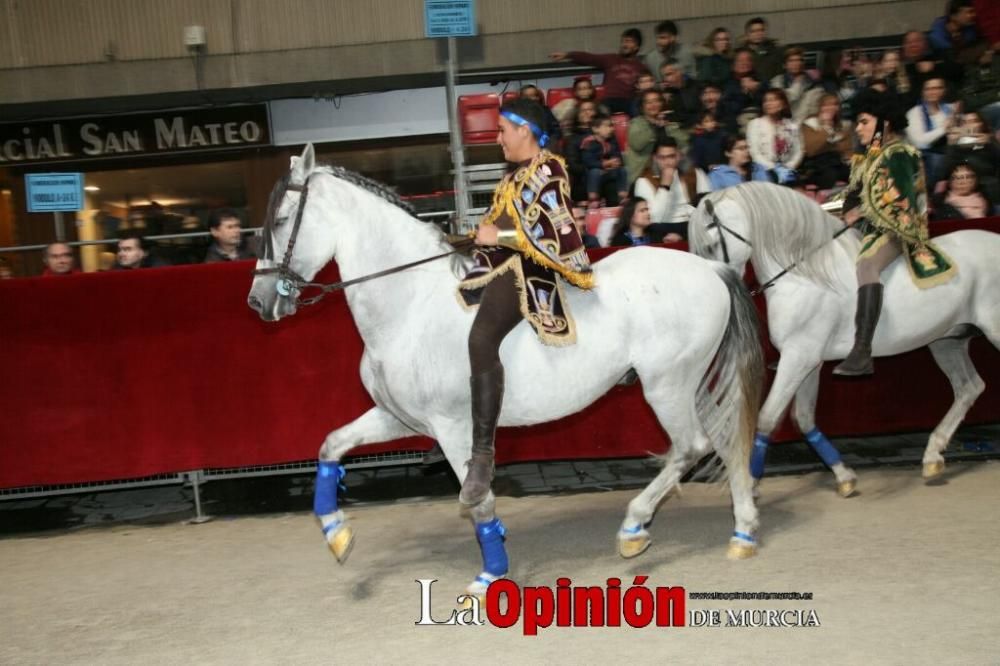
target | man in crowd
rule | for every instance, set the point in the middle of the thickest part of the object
(766, 52)
(134, 252)
(668, 48)
(228, 243)
(621, 70)
(58, 260)
(682, 94)
(956, 36)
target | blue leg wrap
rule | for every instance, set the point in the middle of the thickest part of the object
(759, 455)
(822, 446)
(491, 535)
(328, 476)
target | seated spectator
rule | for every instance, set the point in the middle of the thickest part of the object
(671, 192)
(828, 145)
(707, 140)
(580, 220)
(801, 91)
(714, 58)
(775, 140)
(739, 167)
(667, 49)
(564, 110)
(58, 260)
(955, 36)
(921, 64)
(711, 100)
(890, 68)
(928, 127)
(962, 199)
(635, 227)
(228, 244)
(742, 94)
(645, 131)
(552, 127)
(972, 142)
(134, 252)
(837, 77)
(585, 113)
(766, 52)
(620, 69)
(681, 94)
(602, 158)
(981, 89)
(645, 82)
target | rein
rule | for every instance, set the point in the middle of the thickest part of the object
(710, 207)
(289, 280)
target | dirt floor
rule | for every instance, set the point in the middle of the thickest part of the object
(903, 573)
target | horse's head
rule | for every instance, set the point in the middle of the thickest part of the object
(719, 230)
(295, 243)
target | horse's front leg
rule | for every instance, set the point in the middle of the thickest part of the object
(374, 426)
(805, 417)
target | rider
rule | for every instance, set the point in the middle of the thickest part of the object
(887, 190)
(527, 237)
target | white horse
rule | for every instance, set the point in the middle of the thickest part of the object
(810, 310)
(685, 325)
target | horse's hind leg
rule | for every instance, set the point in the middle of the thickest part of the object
(688, 443)
(952, 356)
(804, 412)
(375, 425)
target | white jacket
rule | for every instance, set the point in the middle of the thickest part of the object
(760, 139)
(673, 205)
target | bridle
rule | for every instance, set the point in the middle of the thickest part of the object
(289, 281)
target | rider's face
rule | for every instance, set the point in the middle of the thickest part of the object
(515, 140)
(865, 128)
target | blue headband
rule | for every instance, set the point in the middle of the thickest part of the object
(542, 137)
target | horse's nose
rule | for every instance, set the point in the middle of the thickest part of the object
(255, 304)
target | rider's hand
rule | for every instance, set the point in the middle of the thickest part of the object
(486, 234)
(852, 216)
(558, 56)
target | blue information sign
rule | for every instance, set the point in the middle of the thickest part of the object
(54, 192)
(449, 18)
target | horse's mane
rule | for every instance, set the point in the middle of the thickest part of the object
(785, 226)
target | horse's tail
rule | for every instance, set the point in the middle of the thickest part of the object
(730, 394)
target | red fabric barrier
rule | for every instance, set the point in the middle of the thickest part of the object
(121, 375)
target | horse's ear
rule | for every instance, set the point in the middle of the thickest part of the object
(304, 165)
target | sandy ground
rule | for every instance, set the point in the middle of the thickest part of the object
(904, 573)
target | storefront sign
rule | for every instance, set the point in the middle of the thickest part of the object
(166, 132)
(54, 192)
(449, 18)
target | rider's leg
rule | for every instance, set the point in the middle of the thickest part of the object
(499, 312)
(859, 361)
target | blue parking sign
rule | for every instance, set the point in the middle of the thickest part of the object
(449, 18)
(54, 192)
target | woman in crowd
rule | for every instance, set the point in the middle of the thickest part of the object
(890, 69)
(775, 139)
(828, 145)
(739, 168)
(800, 89)
(928, 125)
(635, 226)
(963, 198)
(580, 130)
(713, 59)
(972, 142)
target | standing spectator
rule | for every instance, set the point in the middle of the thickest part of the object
(58, 260)
(766, 53)
(635, 227)
(714, 59)
(774, 139)
(668, 48)
(743, 93)
(602, 158)
(928, 127)
(681, 94)
(828, 145)
(552, 127)
(971, 142)
(707, 141)
(645, 131)
(645, 82)
(228, 243)
(981, 91)
(800, 89)
(672, 193)
(739, 168)
(583, 90)
(620, 69)
(962, 200)
(134, 252)
(955, 36)
(585, 113)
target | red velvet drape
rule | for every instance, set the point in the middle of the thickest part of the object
(121, 375)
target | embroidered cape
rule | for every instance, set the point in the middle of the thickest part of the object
(539, 242)
(893, 194)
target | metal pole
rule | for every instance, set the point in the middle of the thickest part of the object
(195, 478)
(457, 154)
(60, 229)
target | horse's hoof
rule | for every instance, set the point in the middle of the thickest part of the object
(740, 550)
(341, 543)
(629, 548)
(847, 488)
(933, 469)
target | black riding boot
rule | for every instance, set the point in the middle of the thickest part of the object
(487, 395)
(859, 361)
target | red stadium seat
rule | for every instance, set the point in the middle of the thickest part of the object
(508, 96)
(478, 115)
(599, 92)
(621, 129)
(557, 95)
(597, 215)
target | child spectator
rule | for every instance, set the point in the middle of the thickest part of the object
(739, 167)
(602, 158)
(707, 139)
(620, 69)
(828, 145)
(775, 140)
